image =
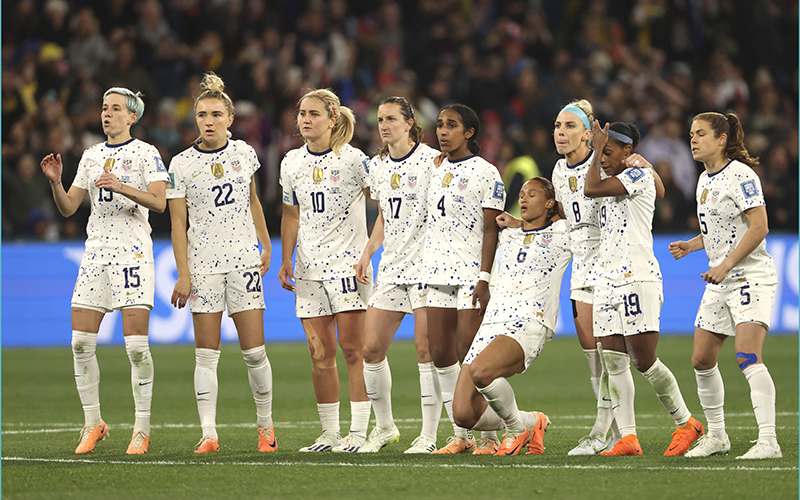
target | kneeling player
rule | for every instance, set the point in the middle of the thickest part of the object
(520, 318)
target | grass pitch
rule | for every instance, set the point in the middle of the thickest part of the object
(42, 418)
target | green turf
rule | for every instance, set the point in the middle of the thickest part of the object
(42, 416)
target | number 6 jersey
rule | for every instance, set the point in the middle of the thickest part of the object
(333, 216)
(216, 184)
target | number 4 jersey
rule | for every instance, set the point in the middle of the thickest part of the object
(118, 231)
(216, 185)
(329, 190)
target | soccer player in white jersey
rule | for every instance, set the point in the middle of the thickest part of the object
(465, 196)
(400, 175)
(520, 318)
(628, 296)
(125, 178)
(741, 281)
(324, 217)
(219, 265)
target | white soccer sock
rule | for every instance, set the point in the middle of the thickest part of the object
(668, 392)
(711, 391)
(605, 417)
(762, 394)
(431, 400)
(448, 376)
(359, 418)
(138, 350)
(259, 373)
(500, 396)
(378, 379)
(595, 369)
(206, 388)
(329, 417)
(87, 375)
(620, 382)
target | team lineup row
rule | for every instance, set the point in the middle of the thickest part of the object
(445, 237)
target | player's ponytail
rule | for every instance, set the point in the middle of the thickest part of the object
(729, 125)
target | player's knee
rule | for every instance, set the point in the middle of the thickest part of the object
(83, 345)
(318, 365)
(745, 359)
(701, 362)
(462, 414)
(372, 354)
(481, 374)
(316, 348)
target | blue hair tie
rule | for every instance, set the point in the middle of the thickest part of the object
(620, 137)
(575, 110)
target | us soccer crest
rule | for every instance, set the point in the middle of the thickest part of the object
(528, 239)
(335, 175)
(217, 170)
(109, 165)
(703, 196)
(395, 182)
(462, 182)
(236, 165)
(127, 164)
(573, 184)
(317, 175)
(412, 181)
(447, 178)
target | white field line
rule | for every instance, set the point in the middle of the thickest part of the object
(396, 465)
(405, 423)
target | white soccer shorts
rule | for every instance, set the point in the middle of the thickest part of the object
(106, 288)
(722, 308)
(451, 296)
(236, 290)
(628, 309)
(400, 298)
(325, 298)
(527, 332)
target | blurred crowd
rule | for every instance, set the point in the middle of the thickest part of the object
(656, 63)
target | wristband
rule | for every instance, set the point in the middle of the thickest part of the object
(485, 276)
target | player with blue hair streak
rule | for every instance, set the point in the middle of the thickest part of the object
(741, 281)
(125, 178)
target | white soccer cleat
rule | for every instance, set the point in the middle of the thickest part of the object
(762, 450)
(350, 444)
(421, 445)
(588, 446)
(379, 438)
(326, 442)
(709, 445)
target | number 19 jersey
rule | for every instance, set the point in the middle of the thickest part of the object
(459, 191)
(118, 232)
(400, 186)
(329, 190)
(216, 184)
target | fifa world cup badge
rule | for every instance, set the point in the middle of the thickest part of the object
(317, 175)
(217, 170)
(703, 196)
(447, 178)
(395, 183)
(573, 184)
(109, 165)
(528, 239)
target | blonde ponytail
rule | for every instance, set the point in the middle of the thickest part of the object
(345, 124)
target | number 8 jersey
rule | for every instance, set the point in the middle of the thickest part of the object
(216, 184)
(329, 190)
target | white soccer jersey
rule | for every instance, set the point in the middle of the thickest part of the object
(459, 191)
(582, 215)
(216, 184)
(329, 190)
(400, 186)
(532, 264)
(626, 226)
(118, 231)
(722, 199)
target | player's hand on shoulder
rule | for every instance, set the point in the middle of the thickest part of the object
(507, 220)
(180, 294)
(286, 276)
